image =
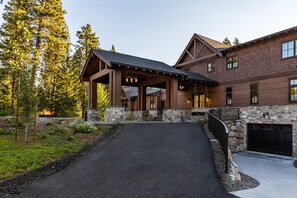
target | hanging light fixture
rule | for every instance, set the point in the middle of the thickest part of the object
(131, 79)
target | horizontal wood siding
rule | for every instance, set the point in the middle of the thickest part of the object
(273, 91)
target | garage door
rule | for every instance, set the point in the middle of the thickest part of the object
(270, 138)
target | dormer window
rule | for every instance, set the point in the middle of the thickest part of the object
(232, 62)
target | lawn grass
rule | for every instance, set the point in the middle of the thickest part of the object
(19, 157)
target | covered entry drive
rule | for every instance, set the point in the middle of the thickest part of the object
(270, 138)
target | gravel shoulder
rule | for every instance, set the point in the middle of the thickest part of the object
(246, 182)
(17, 184)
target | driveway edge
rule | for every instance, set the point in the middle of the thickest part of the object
(246, 182)
(17, 184)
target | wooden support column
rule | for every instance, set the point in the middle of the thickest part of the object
(111, 88)
(141, 98)
(167, 100)
(92, 94)
(116, 88)
(173, 93)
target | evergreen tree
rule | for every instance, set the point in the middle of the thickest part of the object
(65, 94)
(87, 40)
(236, 41)
(113, 48)
(102, 99)
(15, 43)
(51, 46)
(227, 41)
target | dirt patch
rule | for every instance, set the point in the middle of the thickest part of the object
(16, 184)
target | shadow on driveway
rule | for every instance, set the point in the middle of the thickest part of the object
(144, 160)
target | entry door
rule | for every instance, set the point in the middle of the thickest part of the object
(199, 101)
(162, 105)
(270, 138)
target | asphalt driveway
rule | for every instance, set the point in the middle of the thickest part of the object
(144, 160)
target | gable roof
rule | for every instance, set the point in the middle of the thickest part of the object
(215, 44)
(111, 58)
(212, 44)
(136, 62)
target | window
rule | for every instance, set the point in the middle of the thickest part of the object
(254, 94)
(288, 49)
(229, 95)
(232, 62)
(210, 67)
(296, 48)
(293, 90)
(152, 103)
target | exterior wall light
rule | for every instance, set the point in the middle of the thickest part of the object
(181, 87)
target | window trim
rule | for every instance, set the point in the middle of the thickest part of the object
(209, 71)
(251, 101)
(289, 90)
(231, 95)
(235, 56)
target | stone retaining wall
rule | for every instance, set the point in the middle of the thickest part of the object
(176, 115)
(118, 114)
(277, 114)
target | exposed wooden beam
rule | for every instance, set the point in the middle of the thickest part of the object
(197, 60)
(190, 54)
(100, 74)
(153, 81)
(199, 51)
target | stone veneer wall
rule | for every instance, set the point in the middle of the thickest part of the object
(277, 114)
(176, 115)
(92, 115)
(118, 114)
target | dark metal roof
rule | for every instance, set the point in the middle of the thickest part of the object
(198, 77)
(132, 92)
(137, 62)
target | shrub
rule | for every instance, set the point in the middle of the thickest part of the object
(12, 121)
(4, 113)
(62, 129)
(43, 136)
(130, 117)
(6, 131)
(69, 135)
(49, 124)
(83, 127)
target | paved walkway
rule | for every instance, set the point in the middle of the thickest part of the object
(276, 174)
(144, 160)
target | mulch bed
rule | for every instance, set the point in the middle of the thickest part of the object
(16, 184)
(246, 182)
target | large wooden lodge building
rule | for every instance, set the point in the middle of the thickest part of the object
(253, 75)
(258, 72)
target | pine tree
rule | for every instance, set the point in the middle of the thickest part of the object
(102, 99)
(227, 41)
(15, 43)
(113, 48)
(87, 40)
(236, 41)
(51, 46)
(65, 95)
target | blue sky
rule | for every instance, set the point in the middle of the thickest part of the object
(160, 29)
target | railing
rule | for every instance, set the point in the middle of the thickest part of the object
(220, 130)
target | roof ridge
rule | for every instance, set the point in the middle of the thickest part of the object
(98, 49)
